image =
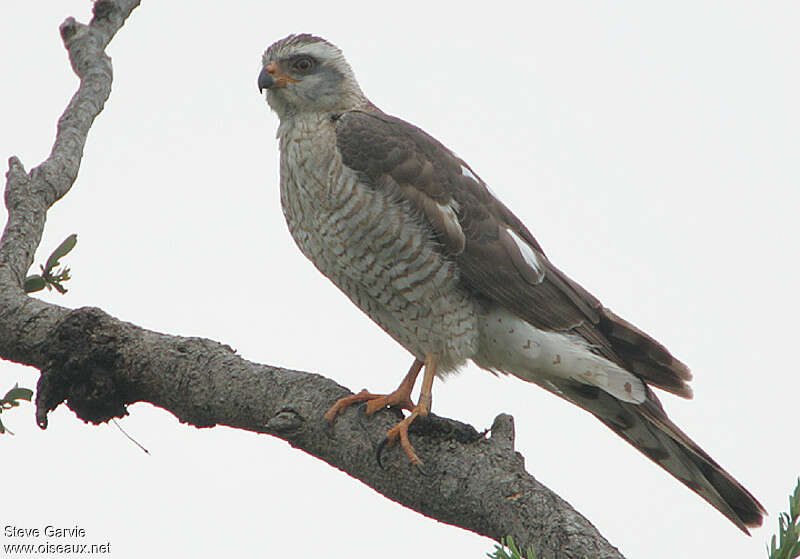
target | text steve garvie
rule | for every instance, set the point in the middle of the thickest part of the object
(48, 531)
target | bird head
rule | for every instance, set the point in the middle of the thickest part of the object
(307, 74)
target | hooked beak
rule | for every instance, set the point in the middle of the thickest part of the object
(265, 80)
(269, 78)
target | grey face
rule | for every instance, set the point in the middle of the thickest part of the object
(305, 74)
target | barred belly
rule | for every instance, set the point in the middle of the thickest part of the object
(374, 249)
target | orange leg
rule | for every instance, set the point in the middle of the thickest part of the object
(400, 397)
(423, 407)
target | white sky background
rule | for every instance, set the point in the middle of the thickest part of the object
(654, 153)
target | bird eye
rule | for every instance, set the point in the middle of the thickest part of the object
(303, 64)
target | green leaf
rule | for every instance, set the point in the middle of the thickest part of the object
(10, 401)
(49, 278)
(788, 540)
(794, 502)
(34, 283)
(18, 393)
(63, 249)
(508, 542)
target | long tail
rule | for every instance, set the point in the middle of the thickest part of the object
(647, 427)
(618, 394)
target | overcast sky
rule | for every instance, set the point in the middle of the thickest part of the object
(653, 151)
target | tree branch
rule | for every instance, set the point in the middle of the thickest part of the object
(99, 365)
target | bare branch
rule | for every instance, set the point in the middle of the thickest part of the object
(29, 196)
(99, 365)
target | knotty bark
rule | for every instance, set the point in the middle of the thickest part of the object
(98, 365)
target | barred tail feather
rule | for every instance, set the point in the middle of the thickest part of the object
(647, 427)
(620, 397)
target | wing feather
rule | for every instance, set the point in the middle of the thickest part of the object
(500, 260)
(497, 255)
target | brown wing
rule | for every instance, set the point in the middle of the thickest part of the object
(497, 256)
(500, 260)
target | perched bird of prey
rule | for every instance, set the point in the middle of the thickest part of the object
(413, 236)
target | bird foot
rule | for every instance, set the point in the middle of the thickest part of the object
(400, 433)
(399, 398)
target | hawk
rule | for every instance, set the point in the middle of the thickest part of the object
(413, 236)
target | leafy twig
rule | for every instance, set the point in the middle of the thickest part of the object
(48, 278)
(788, 530)
(509, 550)
(10, 401)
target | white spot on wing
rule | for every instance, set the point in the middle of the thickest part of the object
(467, 173)
(451, 223)
(450, 218)
(449, 209)
(527, 253)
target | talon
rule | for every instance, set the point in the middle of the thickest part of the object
(400, 432)
(379, 450)
(400, 398)
(361, 416)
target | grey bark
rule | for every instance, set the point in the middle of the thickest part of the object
(99, 365)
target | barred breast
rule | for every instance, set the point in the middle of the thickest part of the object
(373, 248)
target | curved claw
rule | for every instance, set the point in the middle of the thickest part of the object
(361, 416)
(379, 450)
